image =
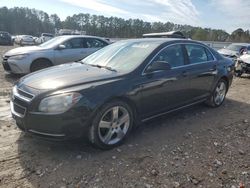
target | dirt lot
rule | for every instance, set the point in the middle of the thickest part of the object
(196, 147)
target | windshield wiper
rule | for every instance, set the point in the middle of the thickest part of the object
(101, 66)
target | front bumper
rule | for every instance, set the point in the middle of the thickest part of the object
(64, 126)
(15, 66)
(242, 66)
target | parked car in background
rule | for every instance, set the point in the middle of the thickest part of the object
(126, 82)
(234, 50)
(24, 40)
(44, 38)
(13, 38)
(56, 51)
(5, 38)
(243, 64)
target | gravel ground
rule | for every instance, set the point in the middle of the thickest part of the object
(196, 147)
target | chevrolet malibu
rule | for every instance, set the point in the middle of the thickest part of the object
(56, 51)
(106, 94)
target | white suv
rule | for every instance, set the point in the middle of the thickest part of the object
(59, 50)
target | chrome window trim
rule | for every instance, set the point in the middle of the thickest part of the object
(187, 65)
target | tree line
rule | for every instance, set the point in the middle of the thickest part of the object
(21, 20)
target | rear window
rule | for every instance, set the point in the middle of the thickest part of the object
(196, 53)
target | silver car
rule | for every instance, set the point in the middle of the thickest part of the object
(56, 51)
(234, 50)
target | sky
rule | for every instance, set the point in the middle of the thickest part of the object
(217, 14)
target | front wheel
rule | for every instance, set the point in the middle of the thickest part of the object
(219, 94)
(111, 125)
(40, 64)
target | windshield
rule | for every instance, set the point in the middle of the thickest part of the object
(234, 47)
(52, 42)
(122, 56)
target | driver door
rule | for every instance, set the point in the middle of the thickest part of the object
(74, 50)
(163, 90)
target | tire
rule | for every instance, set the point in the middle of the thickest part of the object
(111, 125)
(219, 94)
(40, 64)
(238, 73)
(21, 42)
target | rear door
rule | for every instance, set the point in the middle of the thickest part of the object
(201, 71)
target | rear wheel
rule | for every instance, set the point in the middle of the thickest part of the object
(219, 94)
(238, 73)
(40, 64)
(111, 125)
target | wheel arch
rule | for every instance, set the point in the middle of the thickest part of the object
(126, 100)
(40, 58)
(227, 81)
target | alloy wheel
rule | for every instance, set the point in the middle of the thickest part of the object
(220, 93)
(114, 125)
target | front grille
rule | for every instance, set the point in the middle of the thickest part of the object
(20, 101)
(5, 63)
(25, 94)
(19, 109)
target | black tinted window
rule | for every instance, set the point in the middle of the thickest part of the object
(74, 43)
(172, 55)
(95, 43)
(209, 55)
(196, 53)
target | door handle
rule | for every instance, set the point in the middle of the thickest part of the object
(184, 73)
(213, 68)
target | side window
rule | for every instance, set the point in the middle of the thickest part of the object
(172, 55)
(95, 43)
(209, 55)
(197, 54)
(74, 43)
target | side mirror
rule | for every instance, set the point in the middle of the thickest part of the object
(61, 47)
(158, 65)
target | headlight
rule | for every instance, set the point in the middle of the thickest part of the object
(19, 57)
(59, 103)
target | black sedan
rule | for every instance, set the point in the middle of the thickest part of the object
(5, 38)
(106, 94)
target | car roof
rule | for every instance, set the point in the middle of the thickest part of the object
(77, 36)
(164, 40)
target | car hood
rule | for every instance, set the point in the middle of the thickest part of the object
(66, 75)
(245, 58)
(23, 50)
(224, 51)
